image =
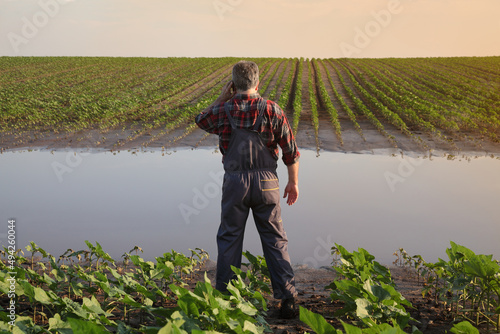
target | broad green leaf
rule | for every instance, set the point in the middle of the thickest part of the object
(247, 308)
(316, 322)
(94, 306)
(250, 327)
(481, 266)
(41, 296)
(350, 329)
(189, 306)
(124, 329)
(363, 308)
(56, 323)
(75, 308)
(464, 327)
(80, 326)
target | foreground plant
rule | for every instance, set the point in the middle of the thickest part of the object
(368, 292)
(469, 283)
(318, 324)
(104, 299)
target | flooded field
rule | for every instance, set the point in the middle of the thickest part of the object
(162, 200)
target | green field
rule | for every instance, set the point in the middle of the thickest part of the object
(421, 99)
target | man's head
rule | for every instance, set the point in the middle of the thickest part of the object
(245, 75)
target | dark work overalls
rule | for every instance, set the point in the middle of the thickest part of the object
(251, 182)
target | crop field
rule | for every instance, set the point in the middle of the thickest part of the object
(87, 291)
(333, 104)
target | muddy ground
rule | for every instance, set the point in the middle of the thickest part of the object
(373, 141)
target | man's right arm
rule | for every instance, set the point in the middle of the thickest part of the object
(205, 119)
(292, 188)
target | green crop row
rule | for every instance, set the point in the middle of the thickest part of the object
(284, 99)
(314, 103)
(274, 91)
(327, 102)
(448, 98)
(297, 99)
(388, 114)
(361, 106)
(342, 102)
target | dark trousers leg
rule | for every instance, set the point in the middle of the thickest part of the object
(231, 230)
(275, 246)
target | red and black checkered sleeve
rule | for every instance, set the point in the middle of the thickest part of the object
(284, 136)
(209, 120)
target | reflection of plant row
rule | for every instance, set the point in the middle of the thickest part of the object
(361, 106)
(297, 100)
(327, 102)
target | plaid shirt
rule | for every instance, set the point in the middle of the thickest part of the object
(274, 128)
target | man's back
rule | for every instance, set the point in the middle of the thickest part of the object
(250, 130)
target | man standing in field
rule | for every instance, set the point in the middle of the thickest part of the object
(250, 130)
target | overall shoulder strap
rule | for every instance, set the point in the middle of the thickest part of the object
(262, 105)
(228, 114)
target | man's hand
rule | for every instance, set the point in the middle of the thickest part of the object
(292, 188)
(292, 191)
(228, 91)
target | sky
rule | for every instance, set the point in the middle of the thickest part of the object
(244, 28)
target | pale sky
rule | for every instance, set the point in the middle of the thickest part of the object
(244, 28)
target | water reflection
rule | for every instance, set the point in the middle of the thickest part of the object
(164, 201)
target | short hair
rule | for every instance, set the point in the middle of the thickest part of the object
(245, 75)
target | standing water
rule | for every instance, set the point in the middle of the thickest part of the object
(161, 201)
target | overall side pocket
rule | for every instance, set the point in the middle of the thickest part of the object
(270, 190)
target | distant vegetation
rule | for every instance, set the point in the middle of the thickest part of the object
(445, 98)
